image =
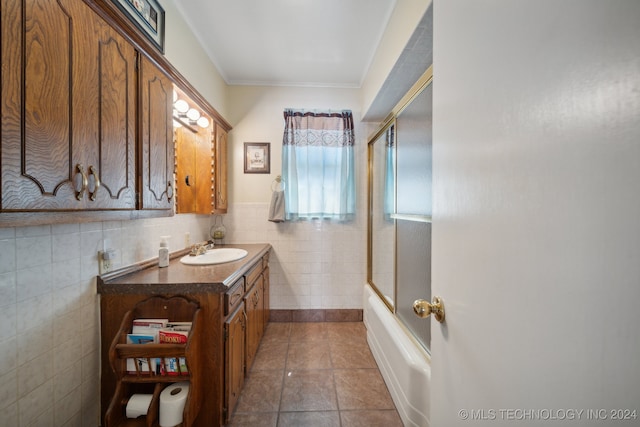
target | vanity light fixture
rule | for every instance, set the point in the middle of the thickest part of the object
(181, 106)
(203, 122)
(193, 114)
(185, 115)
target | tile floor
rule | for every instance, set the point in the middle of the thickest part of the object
(315, 374)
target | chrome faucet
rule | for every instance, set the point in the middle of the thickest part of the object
(199, 249)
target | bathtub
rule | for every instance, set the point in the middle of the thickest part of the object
(405, 368)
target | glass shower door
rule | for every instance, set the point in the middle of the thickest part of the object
(413, 212)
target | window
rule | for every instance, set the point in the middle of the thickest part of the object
(318, 165)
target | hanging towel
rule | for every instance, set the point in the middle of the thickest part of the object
(276, 208)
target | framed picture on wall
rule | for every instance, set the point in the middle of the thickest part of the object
(147, 16)
(257, 157)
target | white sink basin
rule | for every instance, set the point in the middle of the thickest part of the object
(215, 256)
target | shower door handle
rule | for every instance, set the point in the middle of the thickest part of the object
(423, 308)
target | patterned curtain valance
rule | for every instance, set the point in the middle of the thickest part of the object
(327, 129)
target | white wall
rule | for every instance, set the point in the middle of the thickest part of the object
(183, 50)
(315, 264)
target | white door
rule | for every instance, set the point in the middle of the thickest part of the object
(536, 214)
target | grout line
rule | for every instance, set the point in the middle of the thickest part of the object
(284, 375)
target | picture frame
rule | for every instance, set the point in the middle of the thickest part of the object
(257, 157)
(147, 16)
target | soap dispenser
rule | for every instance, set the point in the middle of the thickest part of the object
(163, 253)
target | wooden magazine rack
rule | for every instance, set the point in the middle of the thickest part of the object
(178, 309)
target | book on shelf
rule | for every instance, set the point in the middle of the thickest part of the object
(178, 326)
(142, 362)
(169, 366)
(151, 323)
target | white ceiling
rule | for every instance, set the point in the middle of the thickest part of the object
(327, 43)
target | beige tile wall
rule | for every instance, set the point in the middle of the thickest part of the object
(49, 313)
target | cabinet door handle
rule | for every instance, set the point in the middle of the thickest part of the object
(84, 182)
(169, 191)
(244, 322)
(96, 183)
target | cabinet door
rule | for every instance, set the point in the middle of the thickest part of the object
(68, 109)
(220, 170)
(110, 158)
(186, 176)
(252, 300)
(156, 148)
(265, 297)
(234, 359)
(204, 148)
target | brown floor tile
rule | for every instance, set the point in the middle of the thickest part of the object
(313, 331)
(261, 392)
(308, 390)
(346, 331)
(370, 418)
(277, 332)
(315, 374)
(308, 419)
(361, 389)
(350, 355)
(271, 355)
(269, 419)
(308, 355)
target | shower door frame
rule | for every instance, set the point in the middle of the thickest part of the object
(391, 120)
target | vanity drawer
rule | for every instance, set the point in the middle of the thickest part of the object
(234, 295)
(253, 274)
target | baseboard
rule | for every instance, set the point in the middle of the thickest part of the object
(316, 315)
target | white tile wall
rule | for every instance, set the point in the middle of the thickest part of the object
(49, 312)
(314, 264)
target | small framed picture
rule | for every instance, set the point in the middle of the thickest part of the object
(147, 16)
(257, 157)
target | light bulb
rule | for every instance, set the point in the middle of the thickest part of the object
(181, 106)
(203, 122)
(176, 124)
(193, 114)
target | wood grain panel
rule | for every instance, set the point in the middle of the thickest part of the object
(157, 144)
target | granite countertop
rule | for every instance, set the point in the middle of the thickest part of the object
(148, 278)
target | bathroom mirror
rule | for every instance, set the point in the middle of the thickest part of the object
(382, 239)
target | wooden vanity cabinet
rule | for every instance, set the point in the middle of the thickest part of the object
(68, 109)
(225, 321)
(234, 375)
(241, 350)
(254, 307)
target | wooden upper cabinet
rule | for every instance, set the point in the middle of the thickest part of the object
(68, 109)
(156, 148)
(201, 169)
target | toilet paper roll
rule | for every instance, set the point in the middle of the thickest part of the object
(172, 400)
(138, 405)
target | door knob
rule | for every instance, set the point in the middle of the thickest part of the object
(423, 308)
